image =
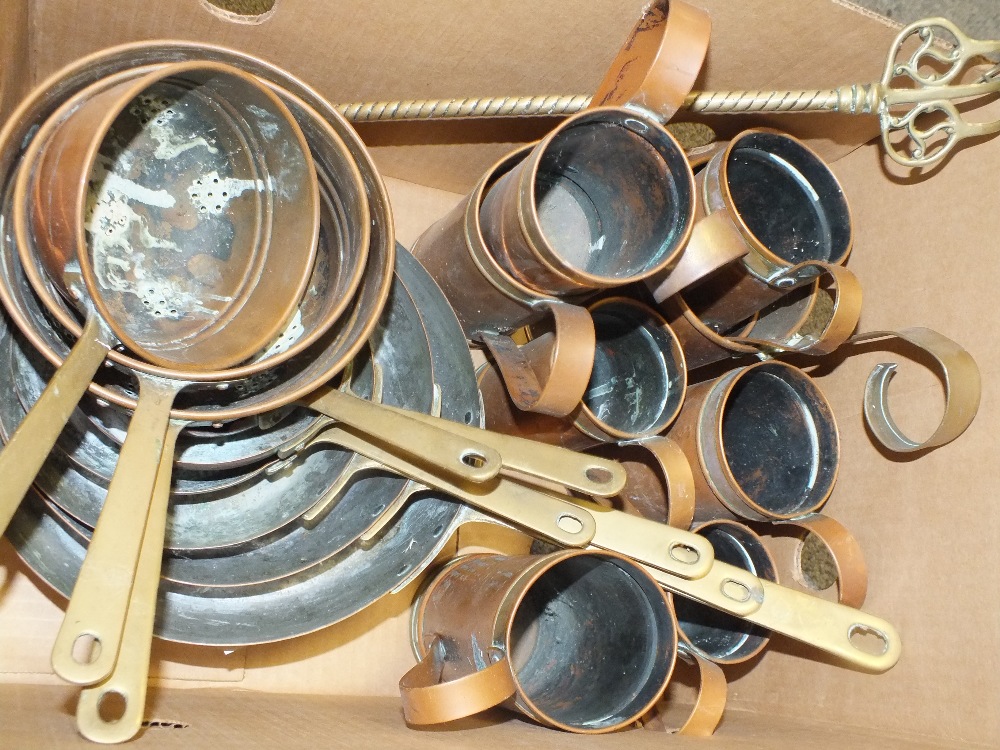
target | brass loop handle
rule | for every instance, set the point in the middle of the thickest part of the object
(131, 672)
(29, 446)
(98, 605)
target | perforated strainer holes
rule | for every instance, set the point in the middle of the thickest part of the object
(286, 339)
(159, 300)
(210, 193)
(86, 649)
(815, 564)
(148, 108)
(867, 639)
(111, 706)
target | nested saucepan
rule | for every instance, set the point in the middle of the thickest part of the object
(176, 210)
(221, 521)
(314, 598)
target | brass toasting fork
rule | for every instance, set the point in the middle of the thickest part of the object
(905, 95)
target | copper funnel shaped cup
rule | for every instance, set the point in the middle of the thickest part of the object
(715, 635)
(606, 199)
(577, 640)
(762, 441)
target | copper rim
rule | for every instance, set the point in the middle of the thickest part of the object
(711, 445)
(503, 621)
(352, 177)
(527, 211)
(718, 195)
(116, 59)
(250, 290)
(591, 425)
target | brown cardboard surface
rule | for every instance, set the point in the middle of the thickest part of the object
(354, 51)
(924, 253)
(34, 716)
(14, 39)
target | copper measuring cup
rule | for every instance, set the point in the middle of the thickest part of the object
(637, 378)
(763, 442)
(580, 641)
(605, 199)
(771, 194)
(714, 635)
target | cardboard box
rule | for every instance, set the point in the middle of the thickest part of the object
(924, 251)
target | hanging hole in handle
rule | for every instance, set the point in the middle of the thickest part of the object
(473, 459)
(241, 11)
(684, 553)
(868, 639)
(738, 592)
(86, 649)
(111, 706)
(570, 524)
(598, 475)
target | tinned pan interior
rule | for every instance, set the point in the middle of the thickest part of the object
(768, 442)
(713, 634)
(606, 199)
(237, 282)
(590, 636)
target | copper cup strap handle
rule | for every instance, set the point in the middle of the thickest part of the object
(678, 477)
(819, 335)
(962, 382)
(848, 559)
(706, 713)
(715, 242)
(428, 700)
(659, 63)
(554, 376)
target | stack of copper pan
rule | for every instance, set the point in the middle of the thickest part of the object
(209, 229)
(218, 356)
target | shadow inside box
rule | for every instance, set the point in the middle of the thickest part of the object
(895, 350)
(455, 131)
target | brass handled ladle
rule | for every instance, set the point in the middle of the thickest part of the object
(912, 88)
